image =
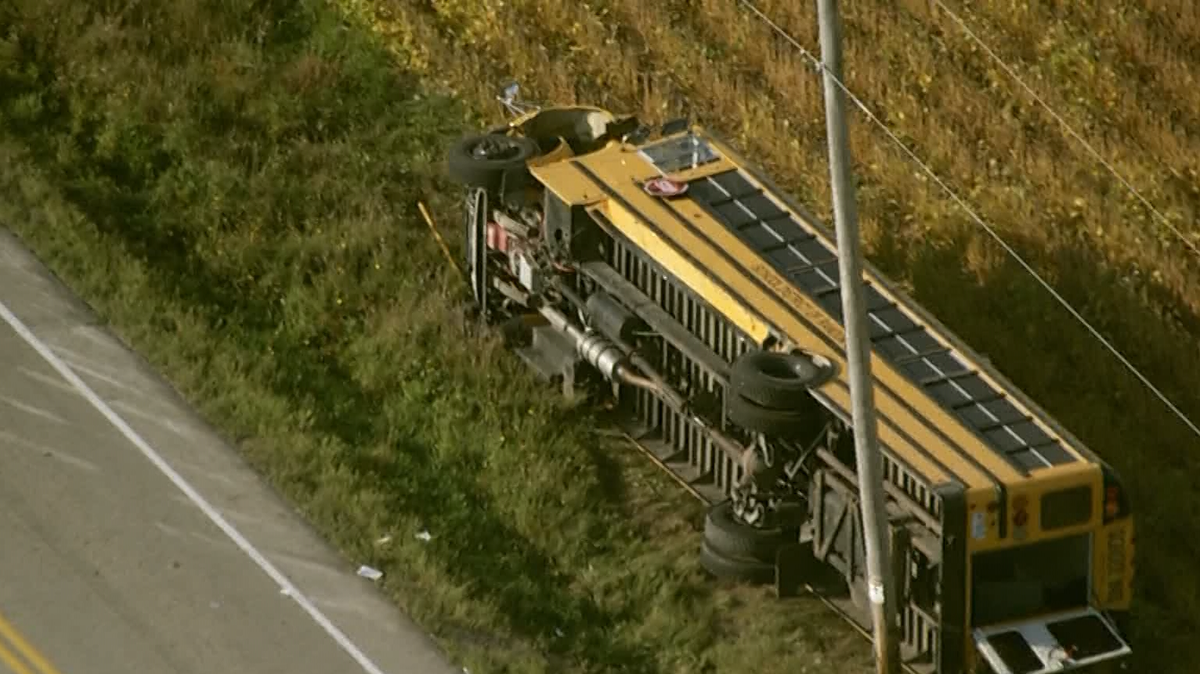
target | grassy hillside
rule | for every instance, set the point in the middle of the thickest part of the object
(233, 185)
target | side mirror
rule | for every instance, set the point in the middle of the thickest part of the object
(508, 98)
(509, 93)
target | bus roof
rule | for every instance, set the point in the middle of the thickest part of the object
(749, 250)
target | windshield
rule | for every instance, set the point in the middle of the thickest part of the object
(1030, 579)
(679, 153)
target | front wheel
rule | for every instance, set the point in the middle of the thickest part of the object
(483, 160)
(475, 246)
(726, 535)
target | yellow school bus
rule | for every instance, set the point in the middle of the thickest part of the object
(660, 269)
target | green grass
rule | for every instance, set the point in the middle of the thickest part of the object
(232, 186)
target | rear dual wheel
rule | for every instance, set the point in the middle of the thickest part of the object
(733, 550)
(739, 569)
(727, 535)
(768, 394)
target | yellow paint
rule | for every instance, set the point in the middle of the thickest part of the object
(11, 661)
(621, 168)
(773, 309)
(696, 279)
(561, 152)
(1112, 576)
(1032, 491)
(894, 441)
(40, 663)
(1067, 471)
(565, 182)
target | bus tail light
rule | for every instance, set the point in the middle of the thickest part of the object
(1020, 513)
(1020, 518)
(1112, 502)
(1116, 500)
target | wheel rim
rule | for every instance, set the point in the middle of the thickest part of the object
(496, 147)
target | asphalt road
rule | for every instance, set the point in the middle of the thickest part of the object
(151, 548)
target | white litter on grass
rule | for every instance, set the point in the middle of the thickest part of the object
(370, 573)
(558, 632)
(425, 536)
(383, 540)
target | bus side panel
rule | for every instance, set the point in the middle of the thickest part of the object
(952, 584)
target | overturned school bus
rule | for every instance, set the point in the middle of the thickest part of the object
(666, 269)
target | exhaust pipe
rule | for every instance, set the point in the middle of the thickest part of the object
(599, 352)
(616, 365)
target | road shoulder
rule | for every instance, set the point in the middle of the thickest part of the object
(154, 412)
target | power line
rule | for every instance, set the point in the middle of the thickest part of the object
(1070, 130)
(820, 67)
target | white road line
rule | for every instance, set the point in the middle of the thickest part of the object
(285, 585)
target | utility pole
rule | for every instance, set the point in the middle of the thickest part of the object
(880, 580)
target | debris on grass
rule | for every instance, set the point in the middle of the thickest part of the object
(370, 572)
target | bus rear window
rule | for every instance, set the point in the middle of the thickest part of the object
(1028, 580)
(1066, 507)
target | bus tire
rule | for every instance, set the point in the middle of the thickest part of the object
(724, 567)
(725, 535)
(778, 381)
(779, 423)
(483, 160)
